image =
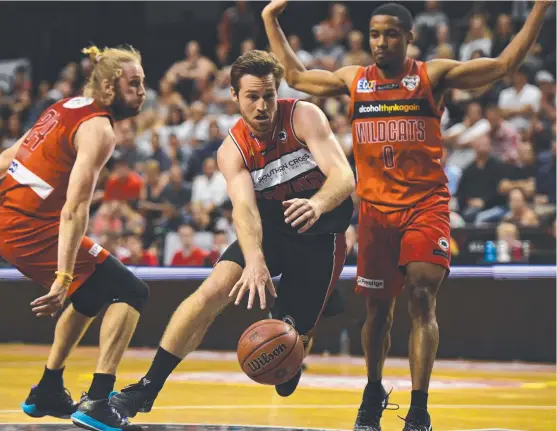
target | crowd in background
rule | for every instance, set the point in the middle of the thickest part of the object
(162, 201)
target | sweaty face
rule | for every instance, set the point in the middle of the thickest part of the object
(257, 99)
(130, 91)
(388, 41)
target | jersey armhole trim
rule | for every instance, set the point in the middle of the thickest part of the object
(302, 143)
(353, 85)
(83, 120)
(429, 91)
(239, 148)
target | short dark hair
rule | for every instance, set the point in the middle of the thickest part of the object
(398, 11)
(257, 63)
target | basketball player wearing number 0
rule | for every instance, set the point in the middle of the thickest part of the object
(396, 106)
(49, 177)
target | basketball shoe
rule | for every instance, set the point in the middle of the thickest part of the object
(137, 397)
(371, 410)
(55, 402)
(98, 415)
(417, 420)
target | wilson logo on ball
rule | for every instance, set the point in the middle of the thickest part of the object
(266, 358)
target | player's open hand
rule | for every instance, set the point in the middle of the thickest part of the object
(255, 278)
(300, 211)
(51, 303)
(274, 8)
(544, 4)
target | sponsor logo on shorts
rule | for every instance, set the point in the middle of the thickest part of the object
(95, 250)
(411, 82)
(443, 243)
(266, 358)
(371, 284)
(365, 86)
(441, 253)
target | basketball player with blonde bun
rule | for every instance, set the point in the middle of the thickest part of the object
(49, 177)
(290, 185)
(404, 230)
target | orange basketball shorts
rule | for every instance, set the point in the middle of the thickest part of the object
(31, 245)
(387, 242)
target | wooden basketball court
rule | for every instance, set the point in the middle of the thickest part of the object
(210, 389)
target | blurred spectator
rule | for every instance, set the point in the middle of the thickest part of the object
(178, 194)
(209, 188)
(13, 131)
(523, 175)
(460, 136)
(444, 47)
(123, 184)
(545, 177)
(137, 255)
(329, 54)
(183, 74)
(478, 196)
(519, 212)
(168, 97)
(126, 148)
(502, 35)
(225, 222)
(520, 101)
(189, 255)
(153, 205)
(356, 55)
(546, 83)
(509, 233)
(338, 22)
(158, 154)
(428, 21)
(504, 136)
(220, 244)
(478, 37)
(237, 24)
(209, 147)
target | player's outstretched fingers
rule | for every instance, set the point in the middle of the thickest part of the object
(252, 290)
(262, 296)
(307, 215)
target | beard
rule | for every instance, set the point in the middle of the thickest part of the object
(121, 109)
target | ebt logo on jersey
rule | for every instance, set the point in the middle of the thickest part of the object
(365, 86)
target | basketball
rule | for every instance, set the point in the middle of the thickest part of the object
(270, 352)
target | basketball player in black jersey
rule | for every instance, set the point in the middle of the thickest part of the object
(290, 185)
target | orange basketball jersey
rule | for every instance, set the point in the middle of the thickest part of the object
(283, 168)
(38, 177)
(396, 137)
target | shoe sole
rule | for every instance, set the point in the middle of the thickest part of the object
(81, 420)
(123, 408)
(32, 411)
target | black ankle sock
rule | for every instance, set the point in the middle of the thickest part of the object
(163, 364)
(375, 390)
(101, 386)
(52, 379)
(419, 399)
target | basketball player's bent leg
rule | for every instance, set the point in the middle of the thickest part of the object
(312, 267)
(184, 333)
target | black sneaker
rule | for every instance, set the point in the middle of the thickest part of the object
(97, 415)
(287, 388)
(371, 410)
(417, 420)
(134, 398)
(49, 402)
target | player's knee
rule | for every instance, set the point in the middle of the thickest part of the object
(380, 312)
(134, 293)
(422, 303)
